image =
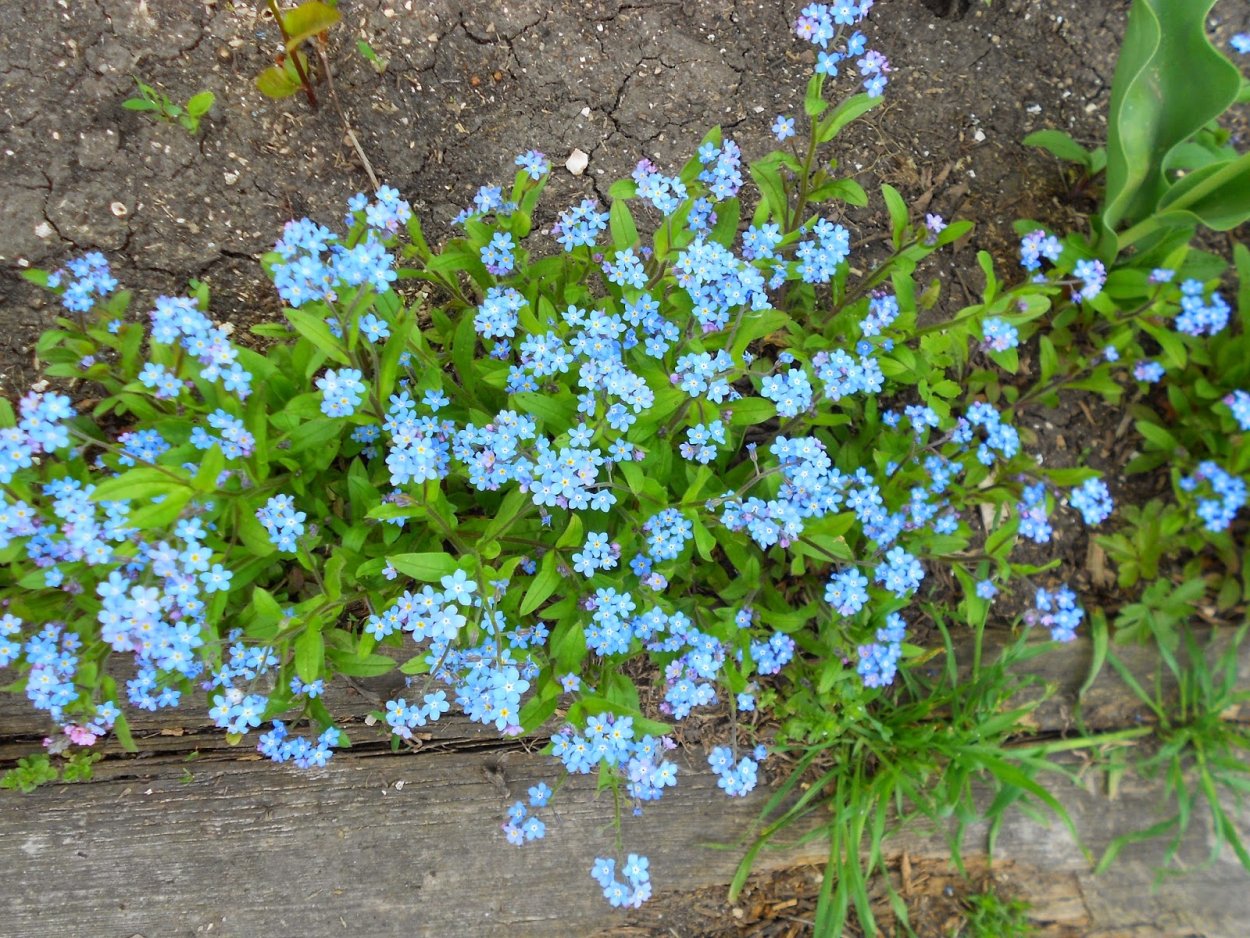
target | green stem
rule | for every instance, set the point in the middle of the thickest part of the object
(1149, 226)
(876, 276)
(294, 53)
(445, 526)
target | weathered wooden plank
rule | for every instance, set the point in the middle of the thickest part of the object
(401, 846)
(383, 844)
(410, 845)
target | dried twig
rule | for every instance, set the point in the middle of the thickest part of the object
(351, 134)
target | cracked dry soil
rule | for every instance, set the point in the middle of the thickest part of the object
(469, 85)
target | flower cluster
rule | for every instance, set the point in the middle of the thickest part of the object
(1239, 403)
(341, 391)
(1000, 335)
(282, 522)
(598, 553)
(315, 265)
(1056, 610)
(790, 390)
(634, 891)
(1092, 500)
(1230, 494)
(723, 404)
(1034, 514)
(522, 826)
(1092, 275)
(1001, 439)
(610, 740)
(580, 225)
(278, 745)
(736, 779)
(1201, 316)
(847, 591)
(878, 661)
(1037, 246)
(88, 278)
(43, 428)
(702, 441)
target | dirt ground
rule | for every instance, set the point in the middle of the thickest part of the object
(467, 86)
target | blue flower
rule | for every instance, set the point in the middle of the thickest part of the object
(216, 579)
(783, 127)
(534, 163)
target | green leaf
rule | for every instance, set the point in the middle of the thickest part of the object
(855, 106)
(568, 644)
(1004, 536)
(1098, 633)
(767, 176)
(278, 81)
(814, 103)
(353, 665)
(252, 533)
(540, 707)
(1170, 81)
(1157, 435)
(428, 567)
(621, 224)
(1049, 357)
(333, 575)
(1061, 145)
(463, 352)
(542, 586)
(756, 325)
(121, 729)
(572, 536)
(899, 215)
(310, 652)
(751, 411)
(157, 515)
(1217, 196)
(307, 20)
(623, 189)
(211, 464)
(316, 433)
(512, 505)
(201, 104)
(1241, 257)
(140, 483)
(555, 411)
(315, 330)
(845, 190)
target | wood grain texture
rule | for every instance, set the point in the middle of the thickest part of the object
(409, 844)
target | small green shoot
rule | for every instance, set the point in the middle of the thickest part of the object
(29, 774)
(1202, 751)
(378, 62)
(308, 21)
(989, 915)
(160, 106)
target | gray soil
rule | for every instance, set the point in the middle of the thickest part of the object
(469, 85)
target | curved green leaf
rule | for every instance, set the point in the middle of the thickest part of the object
(307, 20)
(1169, 82)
